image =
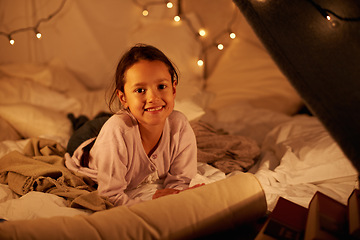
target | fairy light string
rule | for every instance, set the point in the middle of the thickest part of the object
(216, 42)
(327, 14)
(34, 28)
(199, 33)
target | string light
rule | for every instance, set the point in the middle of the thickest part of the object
(177, 18)
(326, 13)
(34, 28)
(198, 33)
(220, 46)
(11, 41)
(38, 34)
(169, 5)
(202, 32)
(145, 12)
(200, 62)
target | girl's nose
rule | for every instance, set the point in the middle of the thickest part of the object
(153, 96)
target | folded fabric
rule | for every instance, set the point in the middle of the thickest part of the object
(41, 168)
(222, 150)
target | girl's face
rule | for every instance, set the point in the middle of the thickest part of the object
(148, 92)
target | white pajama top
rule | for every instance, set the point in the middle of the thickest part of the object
(118, 161)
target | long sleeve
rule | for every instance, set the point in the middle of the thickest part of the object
(183, 164)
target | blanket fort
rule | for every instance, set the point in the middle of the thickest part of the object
(318, 49)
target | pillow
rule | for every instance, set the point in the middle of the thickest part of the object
(54, 75)
(35, 72)
(246, 73)
(18, 90)
(7, 131)
(34, 121)
(190, 109)
(178, 43)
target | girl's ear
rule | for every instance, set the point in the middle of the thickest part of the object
(122, 98)
(174, 87)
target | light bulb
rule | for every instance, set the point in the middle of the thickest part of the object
(202, 32)
(169, 5)
(145, 12)
(177, 18)
(11, 41)
(200, 62)
(232, 35)
(38, 35)
(328, 17)
(220, 46)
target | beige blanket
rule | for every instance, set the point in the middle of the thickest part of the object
(41, 168)
(192, 214)
(224, 151)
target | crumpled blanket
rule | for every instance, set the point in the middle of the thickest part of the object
(224, 151)
(42, 168)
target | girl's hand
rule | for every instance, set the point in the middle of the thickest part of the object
(164, 192)
(168, 191)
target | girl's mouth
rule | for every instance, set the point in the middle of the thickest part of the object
(153, 109)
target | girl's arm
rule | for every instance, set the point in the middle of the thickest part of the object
(184, 163)
(110, 156)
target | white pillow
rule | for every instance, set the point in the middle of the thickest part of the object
(35, 72)
(18, 90)
(53, 75)
(178, 43)
(246, 73)
(190, 109)
(34, 121)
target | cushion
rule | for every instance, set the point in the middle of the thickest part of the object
(53, 75)
(34, 121)
(20, 90)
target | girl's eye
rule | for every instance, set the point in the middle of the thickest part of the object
(162, 86)
(140, 90)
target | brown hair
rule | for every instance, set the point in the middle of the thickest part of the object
(134, 55)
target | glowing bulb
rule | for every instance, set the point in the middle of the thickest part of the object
(202, 32)
(11, 41)
(169, 5)
(328, 17)
(38, 35)
(200, 62)
(145, 12)
(220, 46)
(232, 35)
(177, 18)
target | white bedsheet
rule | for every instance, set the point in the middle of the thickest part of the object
(299, 157)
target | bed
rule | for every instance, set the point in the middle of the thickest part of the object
(256, 142)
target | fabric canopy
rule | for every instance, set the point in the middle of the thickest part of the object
(317, 46)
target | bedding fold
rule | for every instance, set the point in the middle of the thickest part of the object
(41, 168)
(224, 151)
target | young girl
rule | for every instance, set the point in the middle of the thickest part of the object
(145, 140)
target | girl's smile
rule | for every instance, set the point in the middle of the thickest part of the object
(148, 92)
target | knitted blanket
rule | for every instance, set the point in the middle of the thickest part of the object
(41, 168)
